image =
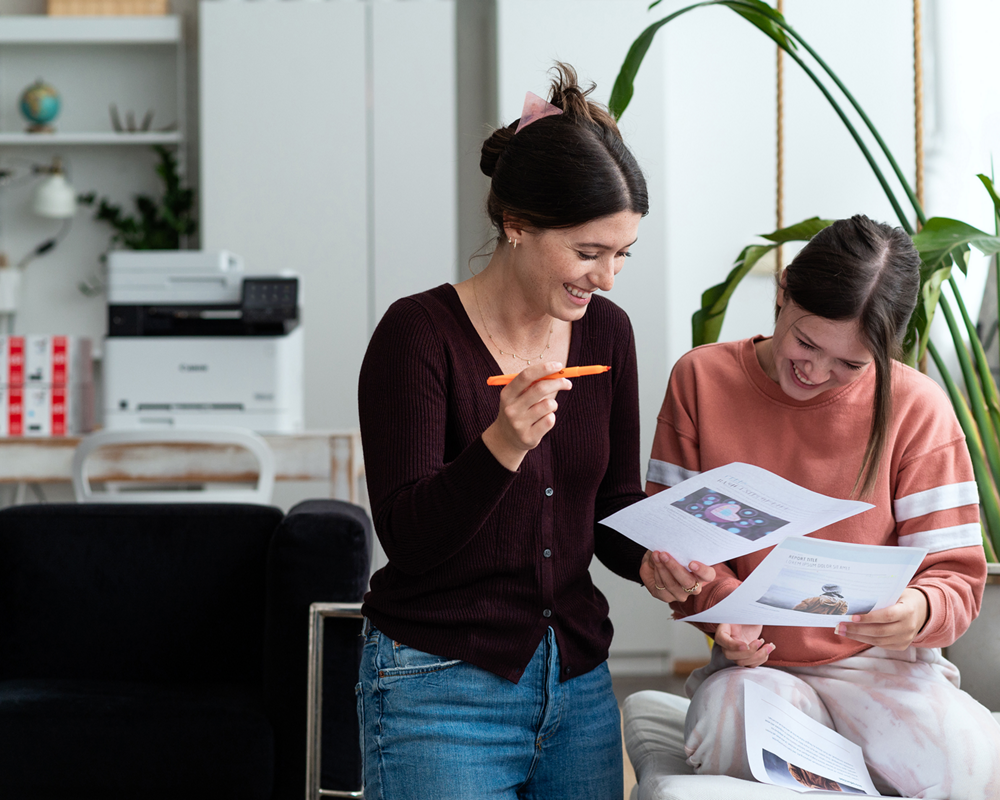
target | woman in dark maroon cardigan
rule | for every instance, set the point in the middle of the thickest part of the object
(484, 672)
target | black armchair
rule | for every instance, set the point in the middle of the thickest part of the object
(160, 651)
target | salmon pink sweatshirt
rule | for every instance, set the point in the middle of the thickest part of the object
(721, 407)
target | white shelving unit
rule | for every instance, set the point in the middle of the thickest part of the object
(86, 138)
(38, 29)
(136, 64)
(91, 61)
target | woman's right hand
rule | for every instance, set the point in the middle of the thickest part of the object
(668, 581)
(527, 412)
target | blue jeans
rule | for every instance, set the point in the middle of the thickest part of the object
(444, 729)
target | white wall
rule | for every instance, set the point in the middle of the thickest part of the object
(962, 130)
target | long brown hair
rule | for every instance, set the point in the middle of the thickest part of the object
(857, 269)
(563, 170)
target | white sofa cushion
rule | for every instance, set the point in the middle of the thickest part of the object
(654, 739)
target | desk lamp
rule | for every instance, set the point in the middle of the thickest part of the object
(54, 198)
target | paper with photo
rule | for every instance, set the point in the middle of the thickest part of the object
(727, 512)
(785, 747)
(816, 583)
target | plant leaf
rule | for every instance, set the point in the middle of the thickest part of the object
(159, 223)
(757, 12)
(621, 92)
(973, 390)
(988, 183)
(799, 232)
(988, 499)
(983, 373)
(917, 331)
(943, 239)
(706, 322)
(763, 16)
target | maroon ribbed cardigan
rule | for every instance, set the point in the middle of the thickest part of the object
(482, 560)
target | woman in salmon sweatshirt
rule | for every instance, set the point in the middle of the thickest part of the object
(822, 403)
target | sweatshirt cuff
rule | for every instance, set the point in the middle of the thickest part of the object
(938, 630)
(710, 595)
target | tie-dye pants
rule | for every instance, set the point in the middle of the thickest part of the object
(921, 735)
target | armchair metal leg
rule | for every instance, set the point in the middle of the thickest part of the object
(317, 613)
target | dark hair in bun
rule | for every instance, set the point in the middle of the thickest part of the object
(563, 170)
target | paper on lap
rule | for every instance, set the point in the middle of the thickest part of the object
(785, 747)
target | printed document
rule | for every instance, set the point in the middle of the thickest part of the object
(788, 748)
(817, 583)
(728, 512)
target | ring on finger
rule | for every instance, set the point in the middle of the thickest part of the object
(693, 589)
(661, 588)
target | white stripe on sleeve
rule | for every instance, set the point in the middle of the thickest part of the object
(944, 538)
(667, 474)
(951, 495)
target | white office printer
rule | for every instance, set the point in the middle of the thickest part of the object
(192, 340)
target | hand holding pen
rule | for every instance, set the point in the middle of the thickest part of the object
(566, 372)
(527, 412)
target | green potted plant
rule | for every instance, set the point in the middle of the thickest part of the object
(158, 224)
(943, 244)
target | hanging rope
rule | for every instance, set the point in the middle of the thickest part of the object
(918, 101)
(779, 195)
(918, 122)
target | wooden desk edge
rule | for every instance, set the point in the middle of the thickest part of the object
(63, 446)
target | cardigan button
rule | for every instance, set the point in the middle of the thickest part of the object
(547, 612)
(549, 492)
(547, 553)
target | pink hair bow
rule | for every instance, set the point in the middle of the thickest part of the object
(535, 108)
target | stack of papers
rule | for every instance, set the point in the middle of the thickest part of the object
(737, 509)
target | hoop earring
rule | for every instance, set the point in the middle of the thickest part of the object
(515, 244)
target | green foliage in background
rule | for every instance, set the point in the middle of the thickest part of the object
(158, 224)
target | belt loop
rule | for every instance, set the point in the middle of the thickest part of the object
(366, 627)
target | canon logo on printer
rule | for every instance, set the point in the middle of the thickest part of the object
(194, 367)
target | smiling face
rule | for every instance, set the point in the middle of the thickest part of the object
(810, 355)
(559, 269)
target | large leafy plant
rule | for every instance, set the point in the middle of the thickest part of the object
(943, 243)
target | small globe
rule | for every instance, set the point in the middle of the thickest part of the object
(40, 105)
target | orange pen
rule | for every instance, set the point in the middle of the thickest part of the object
(567, 372)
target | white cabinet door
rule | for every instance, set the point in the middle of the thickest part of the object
(328, 147)
(415, 206)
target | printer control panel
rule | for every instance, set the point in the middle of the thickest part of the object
(270, 299)
(268, 306)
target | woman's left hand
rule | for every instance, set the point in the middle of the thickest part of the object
(667, 580)
(892, 628)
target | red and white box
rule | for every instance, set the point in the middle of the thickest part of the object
(44, 360)
(32, 411)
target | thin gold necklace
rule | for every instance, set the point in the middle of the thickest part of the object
(490, 335)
